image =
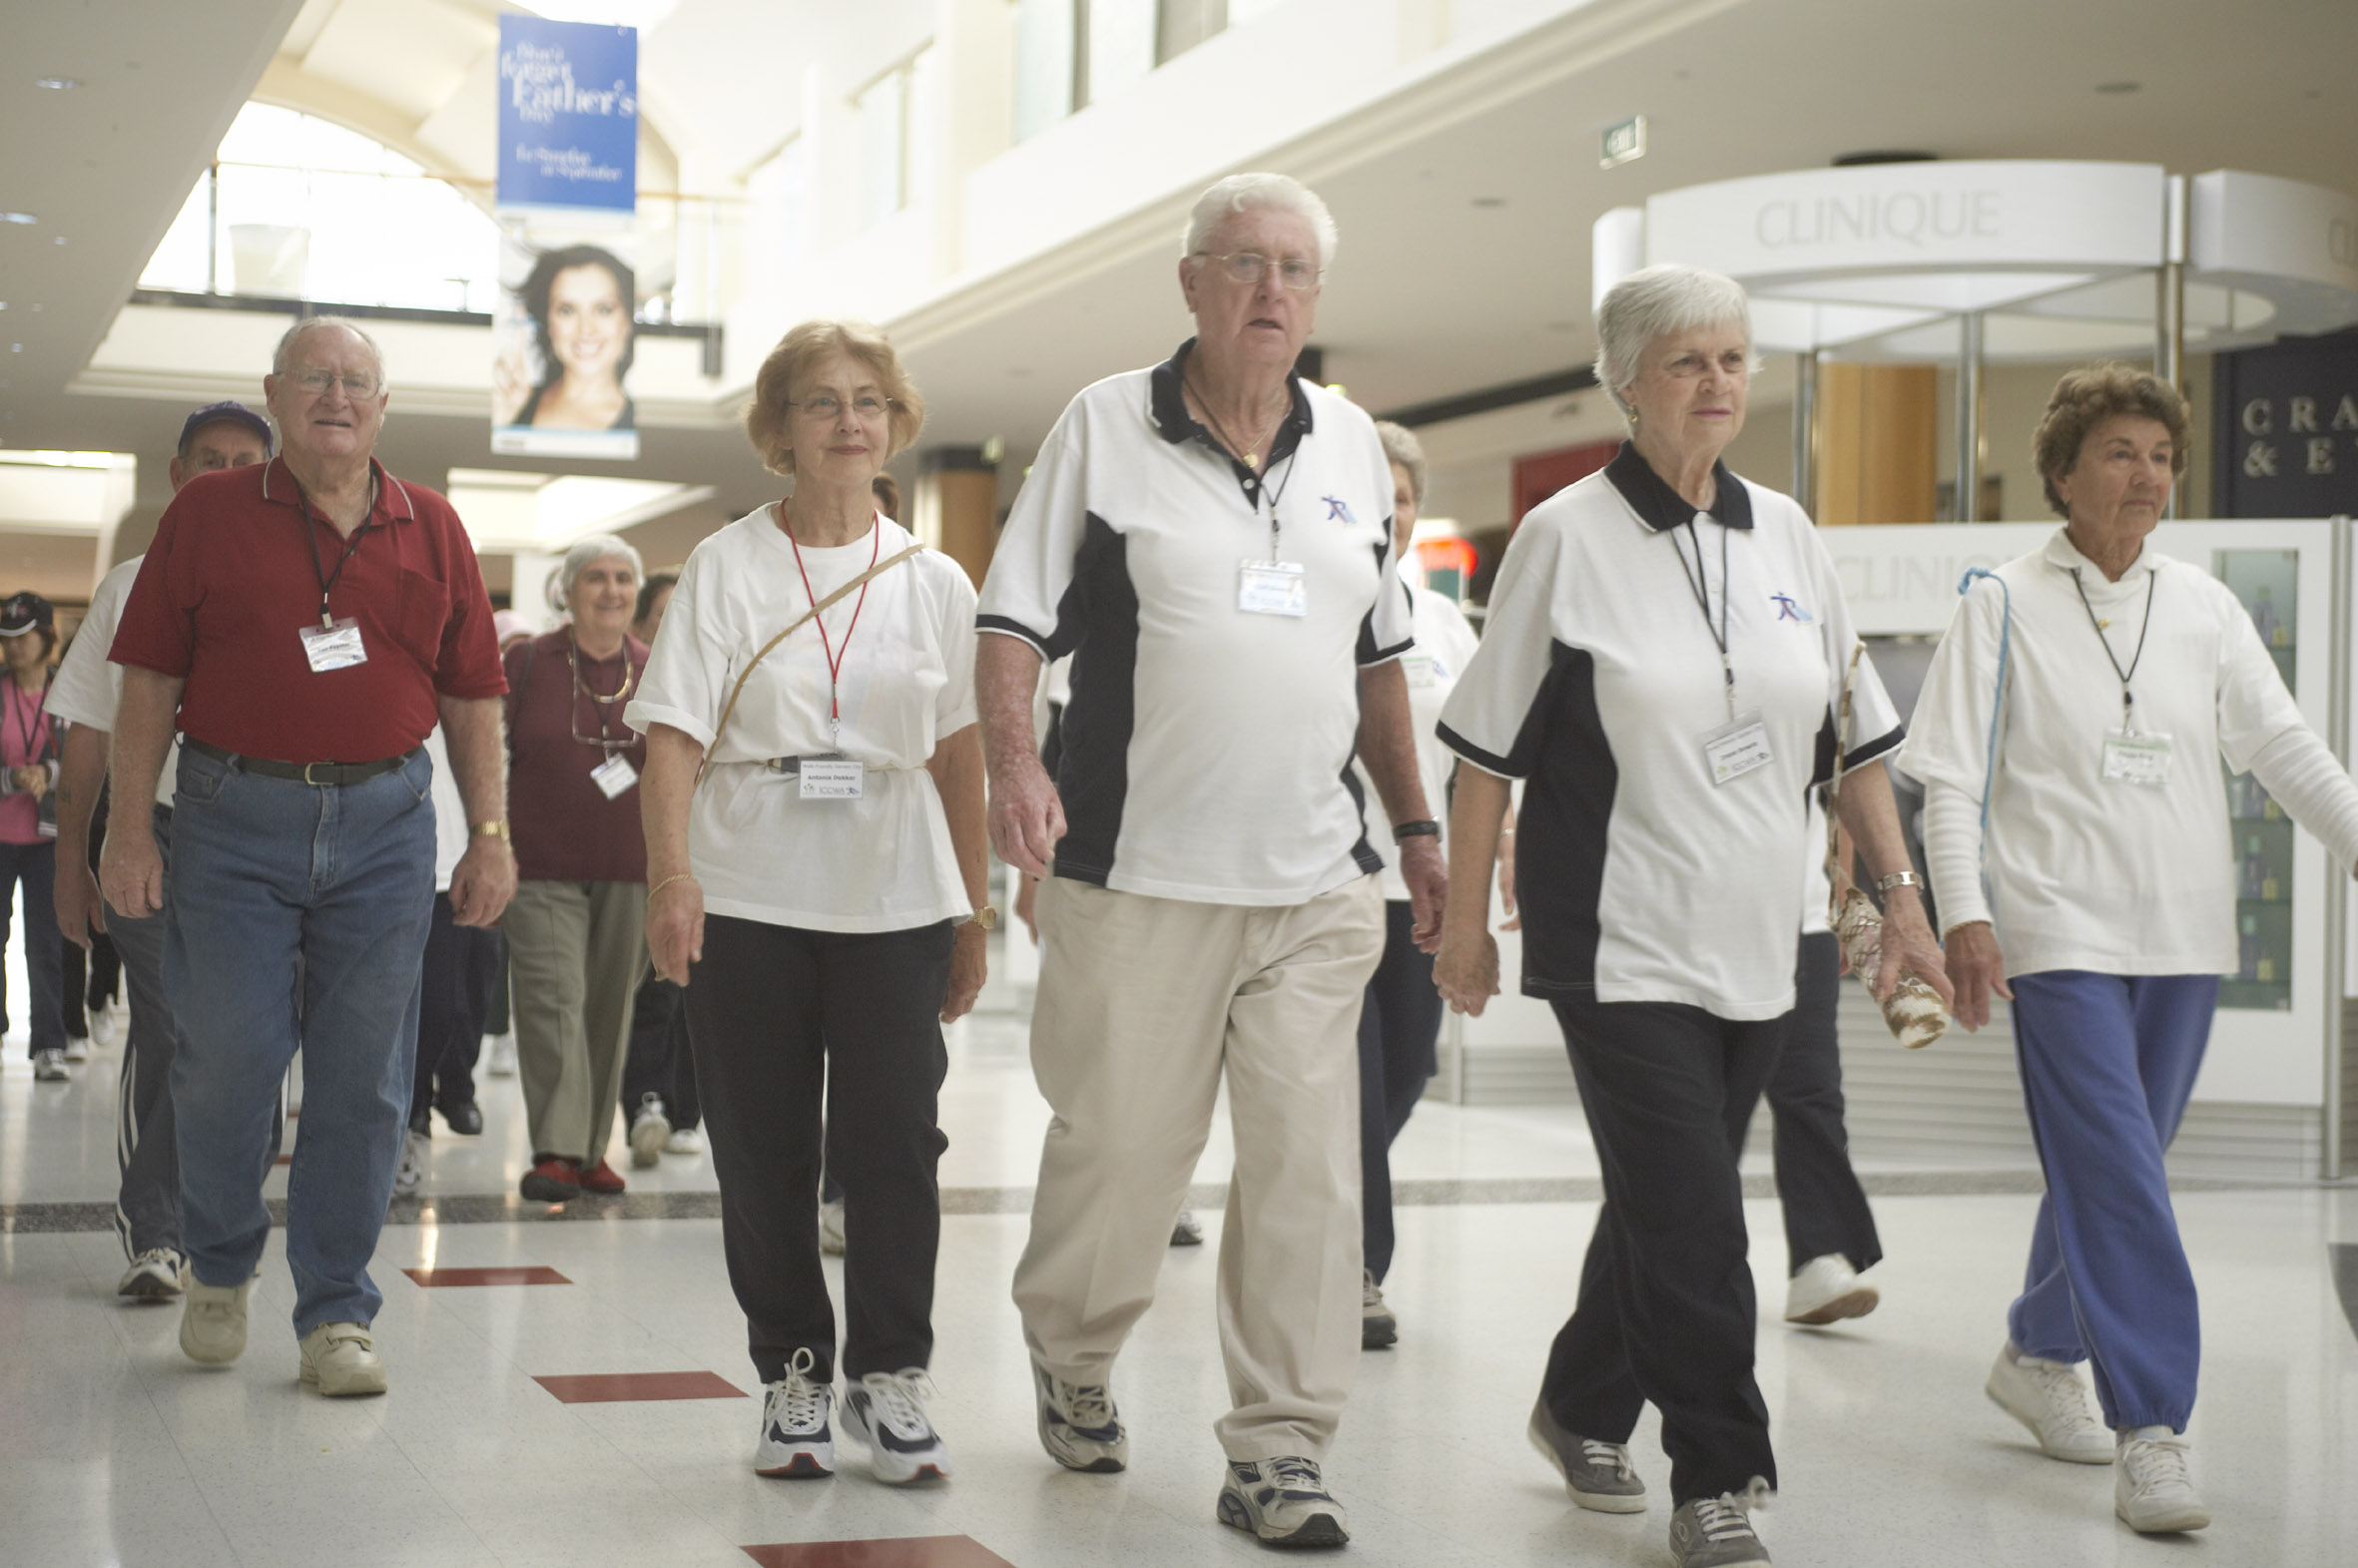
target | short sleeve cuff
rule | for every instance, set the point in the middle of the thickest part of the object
(1882, 746)
(1002, 626)
(958, 718)
(1387, 655)
(643, 717)
(473, 690)
(1487, 761)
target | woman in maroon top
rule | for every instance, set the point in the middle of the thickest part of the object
(576, 931)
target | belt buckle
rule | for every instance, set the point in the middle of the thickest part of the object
(306, 772)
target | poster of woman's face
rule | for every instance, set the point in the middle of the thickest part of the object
(563, 348)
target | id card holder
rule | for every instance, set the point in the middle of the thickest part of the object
(336, 647)
(2137, 758)
(1737, 747)
(614, 775)
(1272, 588)
(833, 779)
(1419, 670)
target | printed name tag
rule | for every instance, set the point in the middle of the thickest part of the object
(335, 646)
(833, 779)
(1737, 747)
(614, 775)
(1272, 588)
(1419, 670)
(2141, 757)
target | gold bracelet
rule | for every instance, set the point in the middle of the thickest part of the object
(677, 876)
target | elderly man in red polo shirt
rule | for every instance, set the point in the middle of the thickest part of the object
(308, 620)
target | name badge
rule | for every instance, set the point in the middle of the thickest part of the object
(1739, 747)
(1419, 670)
(2138, 757)
(335, 646)
(833, 779)
(614, 775)
(1272, 588)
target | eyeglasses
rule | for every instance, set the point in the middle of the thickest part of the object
(867, 406)
(1246, 266)
(356, 387)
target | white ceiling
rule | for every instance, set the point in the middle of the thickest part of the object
(1432, 294)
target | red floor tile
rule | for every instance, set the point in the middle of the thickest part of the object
(537, 1273)
(922, 1551)
(605, 1387)
(284, 1159)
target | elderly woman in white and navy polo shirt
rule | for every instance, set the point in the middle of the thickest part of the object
(2089, 795)
(1663, 663)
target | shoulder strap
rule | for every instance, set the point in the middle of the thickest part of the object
(1838, 874)
(811, 614)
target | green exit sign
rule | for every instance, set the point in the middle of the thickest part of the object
(1624, 139)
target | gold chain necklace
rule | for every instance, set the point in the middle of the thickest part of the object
(1250, 455)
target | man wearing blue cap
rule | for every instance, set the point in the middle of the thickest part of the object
(85, 693)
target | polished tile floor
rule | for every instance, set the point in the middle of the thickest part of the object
(584, 1403)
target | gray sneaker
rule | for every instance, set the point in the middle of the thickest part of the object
(1598, 1475)
(1715, 1532)
(1282, 1502)
(1378, 1328)
(1078, 1425)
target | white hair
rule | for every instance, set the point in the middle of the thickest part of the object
(597, 547)
(1654, 303)
(285, 353)
(1401, 446)
(1242, 193)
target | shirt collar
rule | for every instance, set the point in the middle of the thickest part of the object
(393, 496)
(2060, 552)
(1662, 508)
(1175, 424)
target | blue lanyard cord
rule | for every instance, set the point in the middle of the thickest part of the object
(2006, 629)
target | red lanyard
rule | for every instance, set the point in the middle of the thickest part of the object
(35, 734)
(835, 658)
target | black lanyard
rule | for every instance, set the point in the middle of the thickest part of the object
(2128, 702)
(310, 532)
(1702, 591)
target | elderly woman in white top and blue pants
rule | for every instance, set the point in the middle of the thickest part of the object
(2094, 809)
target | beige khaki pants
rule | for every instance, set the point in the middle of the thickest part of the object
(576, 952)
(1143, 1003)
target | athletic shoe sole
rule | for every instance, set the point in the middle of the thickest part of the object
(1857, 1303)
(2093, 1456)
(541, 1188)
(801, 1466)
(141, 1285)
(891, 1467)
(1595, 1502)
(1317, 1531)
(1378, 1333)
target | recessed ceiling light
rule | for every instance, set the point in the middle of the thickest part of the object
(2119, 87)
(57, 84)
(60, 240)
(18, 218)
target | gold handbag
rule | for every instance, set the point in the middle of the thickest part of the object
(1913, 1011)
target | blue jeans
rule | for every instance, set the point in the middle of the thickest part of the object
(298, 916)
(2107, 1064)
(34, 866)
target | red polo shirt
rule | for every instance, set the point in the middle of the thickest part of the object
(229, 585)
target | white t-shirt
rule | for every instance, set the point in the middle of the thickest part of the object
(1445, 645)
(2085, 872)
(450, 825)
(1207, 749)
(87, 689)
(1641, 879)
(1817, 889)
(883, 861)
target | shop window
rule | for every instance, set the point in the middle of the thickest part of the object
(1070, 54)
(896, 138)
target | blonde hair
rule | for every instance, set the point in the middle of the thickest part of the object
(789, 362)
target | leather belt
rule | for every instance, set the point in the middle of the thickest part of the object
(300, 772)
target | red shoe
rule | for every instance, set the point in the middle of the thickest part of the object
(602, 1179)
(551, 1181)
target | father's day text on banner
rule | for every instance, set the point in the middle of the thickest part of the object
(568, 115)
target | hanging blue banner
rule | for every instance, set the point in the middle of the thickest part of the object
(568, 115)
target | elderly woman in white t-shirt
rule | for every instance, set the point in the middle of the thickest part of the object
(820, 890)
(2068, 737)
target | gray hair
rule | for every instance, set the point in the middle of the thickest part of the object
(1242, 193)
(1401, 446)
(283, 355)
(1654, 303)
(597, 547)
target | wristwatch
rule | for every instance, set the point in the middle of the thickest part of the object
(497, 830)
(987, 917)
(1402, 832)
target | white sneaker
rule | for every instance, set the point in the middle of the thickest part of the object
(102, 1025)
(410, 1175)
(2152, 1487)
(153, 1276)
(502, 1062)
(796, 1438)
(831, 1228)
(2050, 1398)
(340, 1360)
(49, 1067)
(1827, 1290)
(886, 1412)
(684, 1140)
(1080, 1426)
(650, 1129)
(77, 1048)
(1283, 1503)
(213, 1321)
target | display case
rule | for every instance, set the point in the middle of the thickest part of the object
(2268, 584)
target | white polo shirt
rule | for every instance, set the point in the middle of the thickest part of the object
(87, 689)
(883, 861)
(1641, 879)
(1444, 646)
(1207, 749)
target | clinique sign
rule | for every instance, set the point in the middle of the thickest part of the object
(1909, 216)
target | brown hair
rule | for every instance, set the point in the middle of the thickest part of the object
(774, 385)
(2085, 398)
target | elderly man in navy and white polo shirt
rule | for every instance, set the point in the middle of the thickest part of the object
(1210, 540)
(85, 694)
(308, 619)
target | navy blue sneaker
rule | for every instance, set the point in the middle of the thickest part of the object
(886, 1412)
(1284, 1502)
(797, 1439)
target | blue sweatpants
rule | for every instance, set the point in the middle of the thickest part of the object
(2107, 1062)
